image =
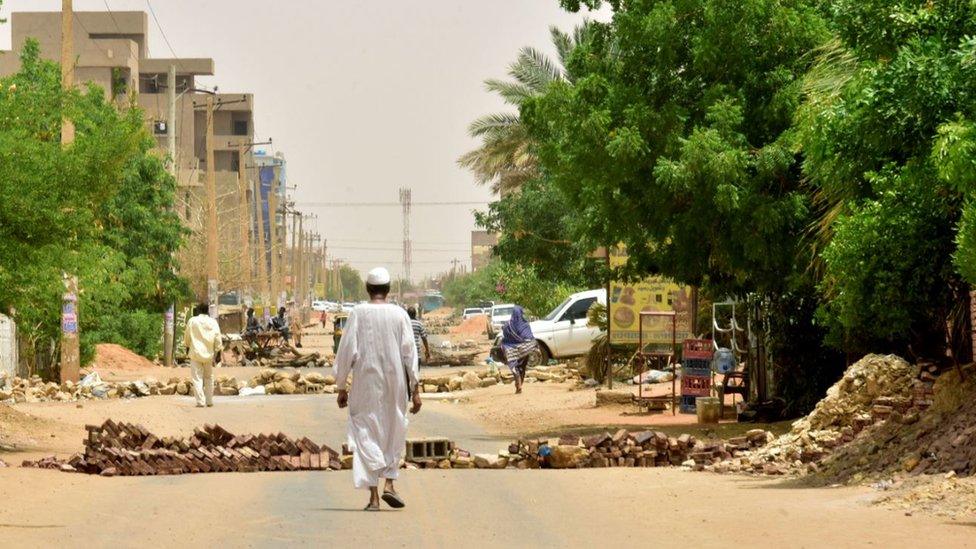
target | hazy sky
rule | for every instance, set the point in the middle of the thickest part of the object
(363, 97)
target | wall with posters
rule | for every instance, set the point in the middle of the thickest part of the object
(628, 299)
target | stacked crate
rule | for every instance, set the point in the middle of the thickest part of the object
(696, 372)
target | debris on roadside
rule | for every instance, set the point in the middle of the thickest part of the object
(125, 449)
(493, 375)
(20, 390)
(872, 391)
(570, 451)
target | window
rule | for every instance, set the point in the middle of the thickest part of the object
(578, 310)
(235, 162)
(240, 127)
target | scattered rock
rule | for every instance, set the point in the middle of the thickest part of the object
(469, 381)
(609, 398)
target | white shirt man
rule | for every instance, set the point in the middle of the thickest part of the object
(377, 348)
(202, 340)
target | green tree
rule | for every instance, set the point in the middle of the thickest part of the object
(676, 138)
(97, 209)
(505, 158)
(353, 287)
(535, 228)
(503, 282)
(683, 150)
(886, 134)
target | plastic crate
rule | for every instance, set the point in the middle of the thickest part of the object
(698, 349)
(696, 364)
(696, 386)
(696, 372)
(687, 405)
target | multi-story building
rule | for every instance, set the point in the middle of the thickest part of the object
(482, 243)
(112, 51)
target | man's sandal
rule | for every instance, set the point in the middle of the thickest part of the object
(393, 500)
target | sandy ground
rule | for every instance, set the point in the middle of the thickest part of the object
(605, 507)
(550, 408)
(473, 508)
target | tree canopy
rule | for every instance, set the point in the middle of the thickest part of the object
(99, 209)
(675, 137)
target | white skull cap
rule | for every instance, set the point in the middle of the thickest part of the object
(378, 277)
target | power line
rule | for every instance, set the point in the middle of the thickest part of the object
(165, 39)
(359, 248)
(112, 15)
(383, 204)
(351, 240)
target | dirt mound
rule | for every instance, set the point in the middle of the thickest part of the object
(846, 409)
(109, 356)
(941, 439)
(475, 325)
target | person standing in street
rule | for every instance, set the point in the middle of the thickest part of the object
(518, 344)
(378, 349)
(296, 325)
(203, 342)
(419, 333)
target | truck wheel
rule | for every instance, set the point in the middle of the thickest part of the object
(538, 357)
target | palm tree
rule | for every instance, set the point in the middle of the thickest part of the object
(505, 159)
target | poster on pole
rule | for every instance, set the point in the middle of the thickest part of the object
(628, 299)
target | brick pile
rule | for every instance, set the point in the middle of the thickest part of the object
(621, 449)
(126, 449)
(641, 449)
(872, 390)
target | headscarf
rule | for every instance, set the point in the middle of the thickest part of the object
(517, 330)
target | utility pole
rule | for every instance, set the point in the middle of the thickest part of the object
(245, 225)
(263, 278)
(70, 343)
(168, 317)
(293, 252)
(298, 275)
(405, 202)
(67, 65)
(273, 221)
(212, 246)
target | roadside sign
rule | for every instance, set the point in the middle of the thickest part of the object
(652, 294)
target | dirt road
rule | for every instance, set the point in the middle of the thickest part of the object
(609, 507)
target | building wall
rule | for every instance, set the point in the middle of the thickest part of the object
(481, 244)
(111, 49)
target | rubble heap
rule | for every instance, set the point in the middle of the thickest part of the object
(19, 390)
(872, 390)
(493, 376)
(126, 449)
(938, 440)
(621, 449)
(277, 382)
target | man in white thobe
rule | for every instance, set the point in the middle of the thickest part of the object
(203, 342)
(377, 347)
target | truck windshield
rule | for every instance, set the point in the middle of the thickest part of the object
(502, 311)
(555, 311)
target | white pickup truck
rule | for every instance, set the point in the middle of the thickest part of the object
(565, 332)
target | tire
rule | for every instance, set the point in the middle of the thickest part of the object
(539, 357)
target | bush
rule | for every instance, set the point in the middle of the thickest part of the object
(141, 331)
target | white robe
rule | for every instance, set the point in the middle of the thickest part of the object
(377, 347)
